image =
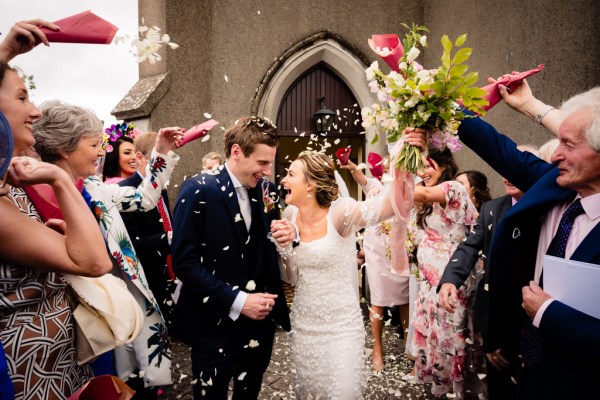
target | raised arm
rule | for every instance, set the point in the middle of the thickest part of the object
(23, 37)
(158, 172)
(522, 100)
(24, 241)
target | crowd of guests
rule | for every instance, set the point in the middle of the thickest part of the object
(476, 308)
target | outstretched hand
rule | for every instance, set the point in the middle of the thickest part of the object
(24, 36)
(168, 139)
(258, 305)
(518, 97)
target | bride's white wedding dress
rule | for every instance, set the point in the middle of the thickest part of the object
(328, 335)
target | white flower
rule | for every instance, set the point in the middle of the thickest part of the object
(411, 102)
(146, 47)
(402, 66)
(423, 40)
(370, 72)
(374, 86)
(412, 54)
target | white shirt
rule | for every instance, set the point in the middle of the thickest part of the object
(582, 226)
(240, 299)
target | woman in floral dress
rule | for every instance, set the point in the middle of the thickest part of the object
(446, 216)
(36, 323)
(71, 137)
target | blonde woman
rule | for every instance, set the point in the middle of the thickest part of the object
(327, 328)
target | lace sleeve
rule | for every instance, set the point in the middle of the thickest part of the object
(350, 216)
(287, 269)
(371, 183)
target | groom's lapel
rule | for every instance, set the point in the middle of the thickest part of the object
(233, 206)
(257, 205)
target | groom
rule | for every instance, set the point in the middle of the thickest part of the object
(232, 294)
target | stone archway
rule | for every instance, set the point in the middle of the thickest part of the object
(344, 59)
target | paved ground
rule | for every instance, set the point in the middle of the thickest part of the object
(277, 380)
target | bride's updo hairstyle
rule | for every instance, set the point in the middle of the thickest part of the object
(319, 171)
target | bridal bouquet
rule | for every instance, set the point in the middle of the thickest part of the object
(423, 98)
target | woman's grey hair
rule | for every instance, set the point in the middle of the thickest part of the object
(591, 100)
(61, 127)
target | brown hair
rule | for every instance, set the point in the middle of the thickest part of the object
(248, 132)
(145, 143)
(319, 171)
(444, 159)
(5, 67)
(479, 187)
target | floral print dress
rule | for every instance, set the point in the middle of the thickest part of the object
(439, 341)
(151, 351)
(37, 327)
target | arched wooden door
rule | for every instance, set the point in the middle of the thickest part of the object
(296, 123)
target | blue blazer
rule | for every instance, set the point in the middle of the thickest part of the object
(210, 258)
(570, 339)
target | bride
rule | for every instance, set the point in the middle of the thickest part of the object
(328, 334)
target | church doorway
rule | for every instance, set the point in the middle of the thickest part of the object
(319, 87)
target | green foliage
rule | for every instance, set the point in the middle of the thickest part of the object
(429, 99)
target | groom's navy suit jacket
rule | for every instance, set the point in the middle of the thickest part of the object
(213, 260)
(570, 339)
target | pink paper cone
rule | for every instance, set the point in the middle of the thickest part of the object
(198, 131)
(375, 164)
(43, 198)
(343, 154)
(391, 41)
(511, 81)
(85, 27)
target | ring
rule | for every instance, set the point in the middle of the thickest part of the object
(495, 357)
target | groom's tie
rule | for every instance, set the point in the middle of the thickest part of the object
(531, 344)
(244, 201)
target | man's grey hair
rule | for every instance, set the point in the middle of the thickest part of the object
(61, 127)
(591, 100)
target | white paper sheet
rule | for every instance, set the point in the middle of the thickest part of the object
(574, 283)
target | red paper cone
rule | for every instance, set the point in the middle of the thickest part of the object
(343, 154)
(85, 27)
(43, 198)
(375, 164)
(393, 43)
(198, 131)
(511, 81)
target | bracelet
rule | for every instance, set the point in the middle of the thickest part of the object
(542, 113)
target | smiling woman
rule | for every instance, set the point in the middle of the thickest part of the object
(120, 161)
(70, 137)
(40, 351)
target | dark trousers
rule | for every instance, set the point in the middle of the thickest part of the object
(500, 384)
(213, 368)
(531, 384)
